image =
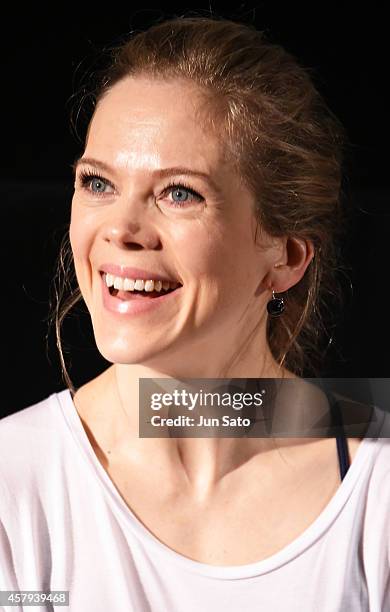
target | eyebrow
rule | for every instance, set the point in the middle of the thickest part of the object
(161, 172)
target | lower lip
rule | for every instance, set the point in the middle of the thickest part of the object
(135, 305)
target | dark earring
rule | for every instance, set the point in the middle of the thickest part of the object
(275, 306)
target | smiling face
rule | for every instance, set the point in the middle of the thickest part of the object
(200, 232)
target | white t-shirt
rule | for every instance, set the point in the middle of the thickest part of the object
(64, 526)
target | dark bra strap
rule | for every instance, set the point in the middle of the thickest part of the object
(341, 440)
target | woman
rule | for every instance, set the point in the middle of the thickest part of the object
(211, 167)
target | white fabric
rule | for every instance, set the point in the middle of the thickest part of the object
(64, 526)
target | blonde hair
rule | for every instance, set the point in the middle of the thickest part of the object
(287, 146)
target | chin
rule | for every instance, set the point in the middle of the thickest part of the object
(121, 352)
(119, 349)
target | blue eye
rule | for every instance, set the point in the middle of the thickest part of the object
(177, 188)
(87, 177)
(98, 182)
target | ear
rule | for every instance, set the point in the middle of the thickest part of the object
(288, 269)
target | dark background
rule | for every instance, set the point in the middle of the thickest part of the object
(44, 55)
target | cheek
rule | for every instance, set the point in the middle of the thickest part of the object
(79, 235)
(80, 241)
(200, 258)
(216, 252)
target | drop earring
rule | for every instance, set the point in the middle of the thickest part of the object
(275, 306)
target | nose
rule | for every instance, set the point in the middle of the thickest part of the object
(129, 228)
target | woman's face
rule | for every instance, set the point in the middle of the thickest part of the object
(129, 216)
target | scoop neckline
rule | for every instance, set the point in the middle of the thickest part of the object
(281, 557)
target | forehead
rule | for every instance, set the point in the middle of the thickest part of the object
(142, 120)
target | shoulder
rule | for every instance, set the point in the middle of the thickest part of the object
(375, 507)
(378, 473)
(24, 422)
(29, 441)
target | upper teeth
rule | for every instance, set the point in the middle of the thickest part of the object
(130, 284)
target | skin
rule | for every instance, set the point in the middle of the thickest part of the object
(141, 126)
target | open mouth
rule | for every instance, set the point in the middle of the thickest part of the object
(139, 294)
